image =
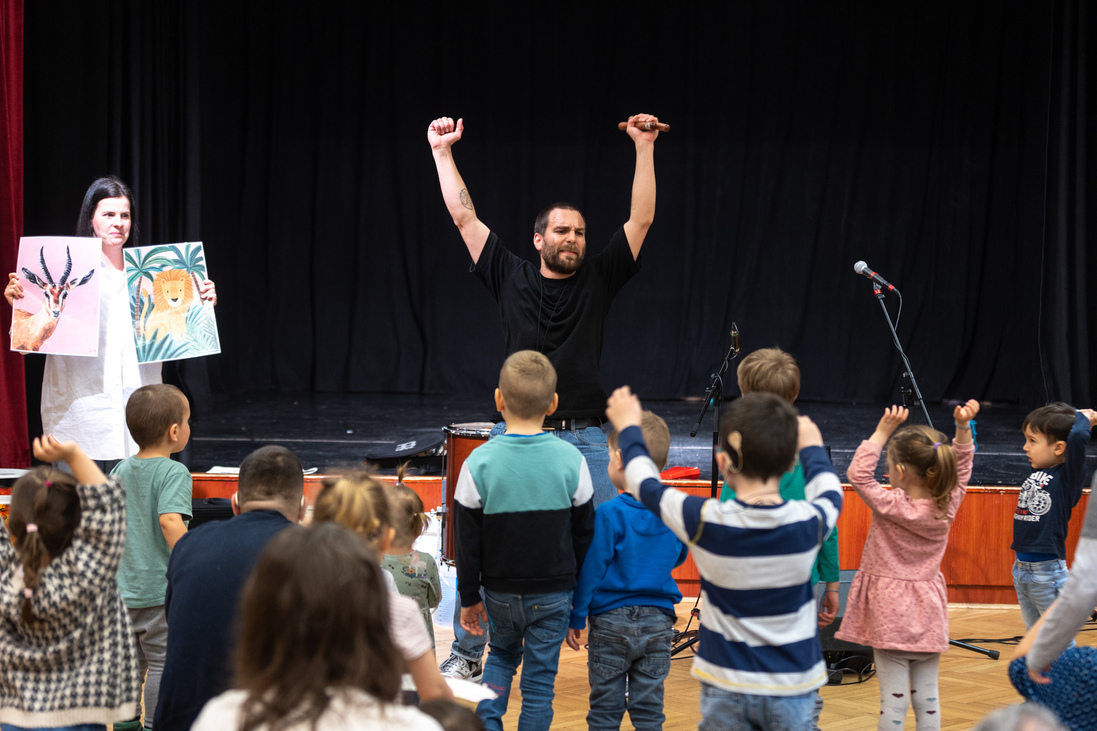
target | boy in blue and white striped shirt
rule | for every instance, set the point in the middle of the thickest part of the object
(759, 657)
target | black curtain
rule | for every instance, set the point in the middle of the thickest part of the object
(1067, 352)
(944, 144)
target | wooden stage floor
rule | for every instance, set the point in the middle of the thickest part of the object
(971, 684)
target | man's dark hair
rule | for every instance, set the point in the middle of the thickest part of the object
(540, 224)
(767, 425)
(271, 473)
(107, 187)
(1054, 421)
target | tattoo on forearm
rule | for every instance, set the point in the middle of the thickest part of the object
(465, 200)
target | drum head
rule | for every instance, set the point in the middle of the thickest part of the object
(470, 429)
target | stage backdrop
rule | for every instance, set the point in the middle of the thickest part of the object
(943, 143)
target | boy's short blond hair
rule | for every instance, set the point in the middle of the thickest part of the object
(770, 370)
(656, 436)
(528, 383)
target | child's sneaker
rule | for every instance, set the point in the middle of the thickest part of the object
(456, 666)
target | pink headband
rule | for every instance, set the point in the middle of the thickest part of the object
(32, 527)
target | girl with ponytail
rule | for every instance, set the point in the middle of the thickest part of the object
(415, 572)
(897, 602)
(65, 637)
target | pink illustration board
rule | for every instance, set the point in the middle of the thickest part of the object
(59, 310)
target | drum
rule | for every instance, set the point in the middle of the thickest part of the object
(461, 439)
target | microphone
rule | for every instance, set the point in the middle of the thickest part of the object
(863, 269)
(734, 339)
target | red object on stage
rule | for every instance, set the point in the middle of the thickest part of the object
(680, 473)
(461, 439)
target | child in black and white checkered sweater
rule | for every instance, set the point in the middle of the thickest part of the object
(65, 638)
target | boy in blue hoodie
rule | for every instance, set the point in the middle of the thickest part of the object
(626, 588)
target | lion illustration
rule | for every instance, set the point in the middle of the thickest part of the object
(172, 296)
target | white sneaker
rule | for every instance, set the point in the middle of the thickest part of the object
(456, 666)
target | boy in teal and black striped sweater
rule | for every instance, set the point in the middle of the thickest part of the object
(524, 520)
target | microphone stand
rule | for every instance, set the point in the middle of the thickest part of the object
(911, 394)
(714, 397)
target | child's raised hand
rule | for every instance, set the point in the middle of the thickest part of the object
(623, 409)
(1091, 415)
(893, 417)
(965, 412)
(48, 449)
(809, 435)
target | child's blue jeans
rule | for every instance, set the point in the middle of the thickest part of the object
(1038, 584)
(528, 627)
(722, 710)
(628, 644)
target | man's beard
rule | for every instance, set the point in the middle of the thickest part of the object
(557, 265)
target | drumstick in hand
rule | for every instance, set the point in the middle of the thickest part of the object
(646, 126)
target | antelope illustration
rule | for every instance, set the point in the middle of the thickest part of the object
(28, 331)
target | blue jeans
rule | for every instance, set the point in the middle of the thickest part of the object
(529, 626)
(722, 710)
(1037, 584)
(628, 644)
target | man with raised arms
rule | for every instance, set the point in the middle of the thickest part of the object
(558, 309)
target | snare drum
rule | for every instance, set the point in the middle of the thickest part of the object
(461, 439)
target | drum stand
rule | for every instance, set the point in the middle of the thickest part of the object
(714, 397)
(911, 396)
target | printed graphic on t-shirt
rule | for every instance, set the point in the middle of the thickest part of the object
(1034, 499)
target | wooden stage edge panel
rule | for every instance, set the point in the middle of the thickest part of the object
(977, 564)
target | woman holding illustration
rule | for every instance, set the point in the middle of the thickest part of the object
(83, 397)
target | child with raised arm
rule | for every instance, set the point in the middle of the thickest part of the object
(158, 505)
(759, 658)
(1056, 436)
(415, 572)
(898, 603)
(65, 637)
(627, 590)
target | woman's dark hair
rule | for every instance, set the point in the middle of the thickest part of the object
(313, 616)
(46, 499)
(108, 187)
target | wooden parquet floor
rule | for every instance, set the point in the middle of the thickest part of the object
(971, 684)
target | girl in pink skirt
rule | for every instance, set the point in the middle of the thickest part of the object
(897, 603)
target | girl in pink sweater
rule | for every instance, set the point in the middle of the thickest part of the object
(897, 602)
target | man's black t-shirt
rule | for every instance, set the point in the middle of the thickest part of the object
(562, 318)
